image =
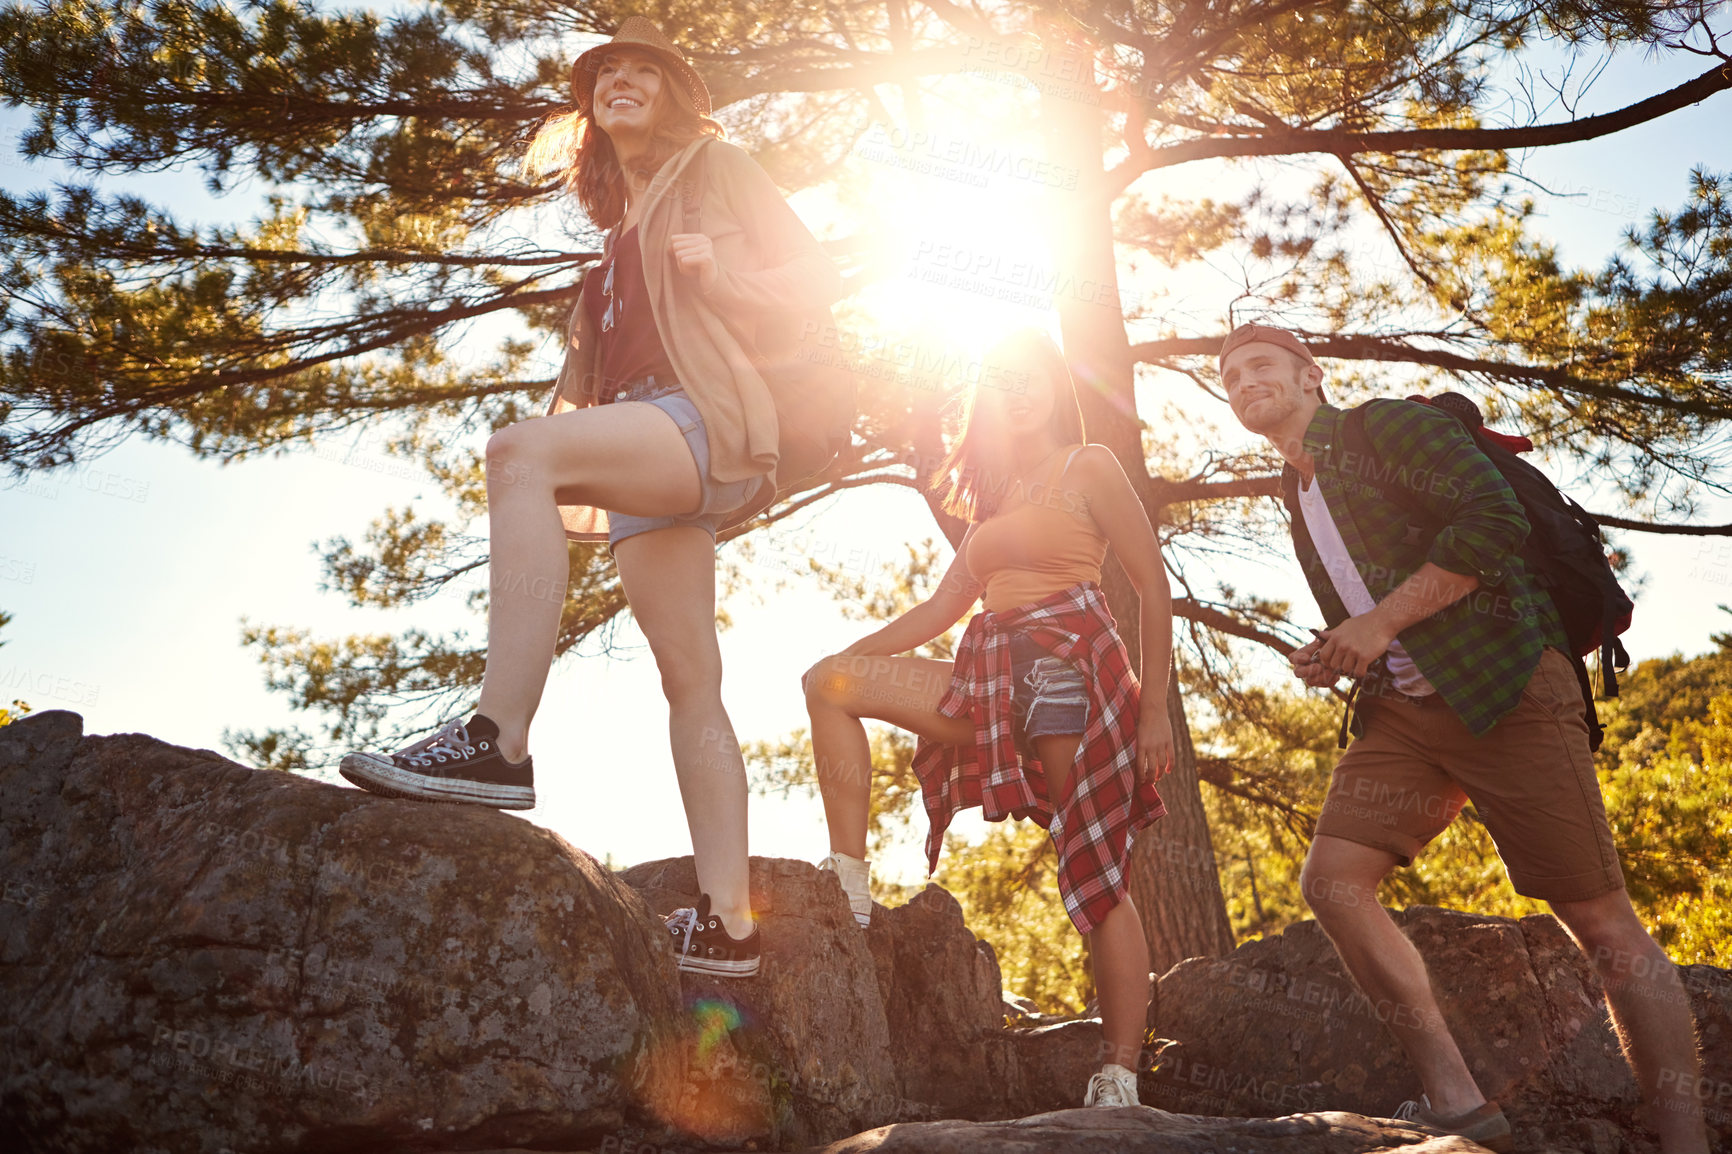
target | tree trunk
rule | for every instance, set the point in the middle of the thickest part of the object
(1173, 876)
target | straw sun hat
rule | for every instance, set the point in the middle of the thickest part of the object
(637, 32)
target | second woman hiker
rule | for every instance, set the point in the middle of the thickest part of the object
(1040, 715)
(662, 431)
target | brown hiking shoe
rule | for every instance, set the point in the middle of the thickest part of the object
(1485, 1125)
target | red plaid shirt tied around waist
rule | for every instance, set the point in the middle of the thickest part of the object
(1093, 827)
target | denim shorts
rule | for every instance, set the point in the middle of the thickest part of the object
(717, 499)
(1048, 694)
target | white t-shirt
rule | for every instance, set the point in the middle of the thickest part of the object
(1350, 585)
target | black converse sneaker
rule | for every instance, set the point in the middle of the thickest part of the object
(703, 946)
(458, 763)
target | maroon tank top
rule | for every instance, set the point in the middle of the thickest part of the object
(617, 298)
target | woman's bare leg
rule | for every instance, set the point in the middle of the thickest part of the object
(1121, 964)
(1119, 951)
(631, 457)
(670, 579)
(840, 691)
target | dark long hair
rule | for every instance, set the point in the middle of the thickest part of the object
(975, 474)
(572, 141)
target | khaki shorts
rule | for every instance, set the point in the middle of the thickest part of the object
(1530, 778)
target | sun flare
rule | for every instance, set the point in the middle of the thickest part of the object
(960, 252)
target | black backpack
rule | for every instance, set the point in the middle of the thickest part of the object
(813, 389)
(1563, 551)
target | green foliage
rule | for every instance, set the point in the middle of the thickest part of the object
(892, 590)
(1666, 769)
(785, 767)
(1265, 759)
(401, 273)
(1007, 883)
(1662, 710)
(1672, 819)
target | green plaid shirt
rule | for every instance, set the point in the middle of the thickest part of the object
(1480, 651)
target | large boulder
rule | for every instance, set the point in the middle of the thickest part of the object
(1051, 1065)
(198, 956)
(811, 1058)
(1277, 1027)
(944, 1002)
(844, 1030)
(1137, 1129)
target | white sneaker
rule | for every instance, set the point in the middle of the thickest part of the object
(1113, 1086)
(855, 876)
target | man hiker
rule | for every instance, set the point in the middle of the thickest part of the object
(1470, 696)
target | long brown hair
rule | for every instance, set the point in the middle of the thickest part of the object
(572, 141)
(977, 471)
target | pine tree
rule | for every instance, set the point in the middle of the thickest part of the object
(396, 221)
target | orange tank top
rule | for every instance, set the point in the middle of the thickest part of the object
(1042, 540)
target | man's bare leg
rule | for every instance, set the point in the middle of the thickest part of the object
(1340, 882)
(1650, 1011)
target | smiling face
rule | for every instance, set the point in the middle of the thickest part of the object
(1267, 385)
(628, 86)
(1020, 399)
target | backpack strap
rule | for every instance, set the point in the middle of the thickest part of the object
(693, 181)
(1596, 731)
(1613, 655)
(1356, 440)
(1295, 515)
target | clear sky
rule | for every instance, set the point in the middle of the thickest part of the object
(128, 577)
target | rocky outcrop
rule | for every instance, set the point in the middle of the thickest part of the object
(845, 1029)
(943, 1003)
(197, 956)
(1278, 1027)
(1134, 1130)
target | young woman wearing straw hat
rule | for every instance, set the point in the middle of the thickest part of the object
(660, 432)
(1041, 677)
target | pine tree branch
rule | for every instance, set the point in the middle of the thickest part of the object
(1164, 493)
(1295, 142)
(144, 249)
(1193, 610)
(1363, 348)
(1164, 56)
(1270, 486)
(425, 321)
(1225, 775)
(809, 498)
(1611, 522)
(1376, 203)
(881, 68)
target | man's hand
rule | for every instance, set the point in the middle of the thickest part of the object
(1310, 670)
(1154, 744)
(696, 256)
(1354, 644)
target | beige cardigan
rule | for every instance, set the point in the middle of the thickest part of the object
(774, 285)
